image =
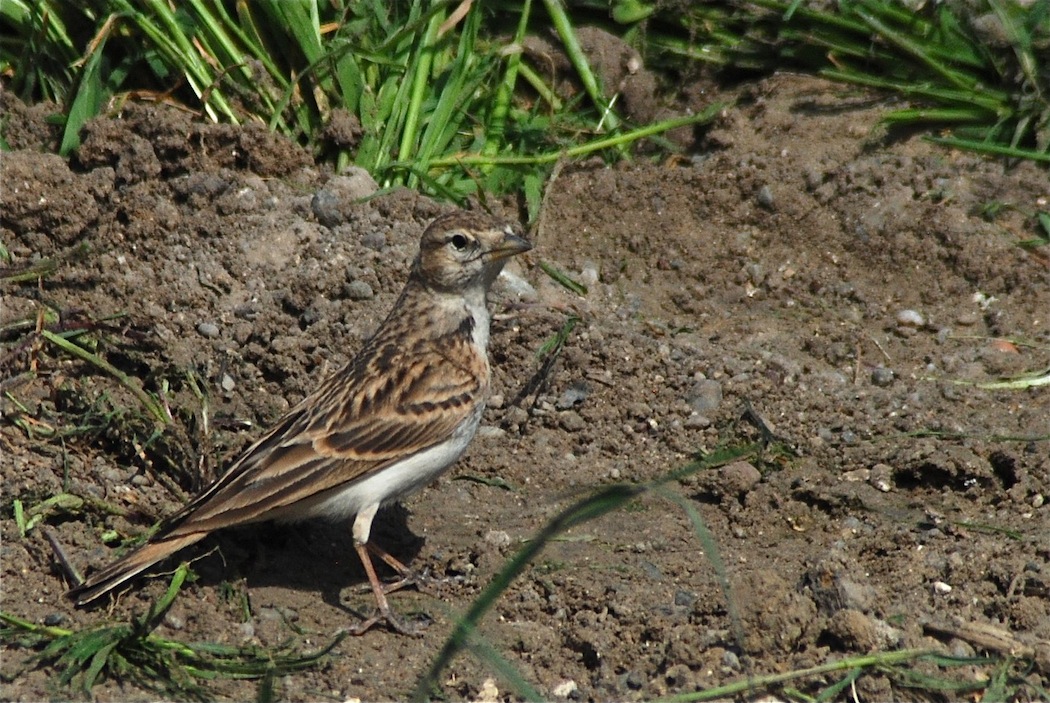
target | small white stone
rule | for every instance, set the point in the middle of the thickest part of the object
(491, 432)
(498, 538)
(589, 275)
(910, 318)
(488, 693)
(516, 285)
(941, 588)
(565, 689)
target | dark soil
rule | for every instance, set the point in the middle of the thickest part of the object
(839, 282)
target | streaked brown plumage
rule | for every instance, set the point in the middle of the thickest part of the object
(384, 426)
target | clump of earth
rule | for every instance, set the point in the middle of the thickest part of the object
(801, 283)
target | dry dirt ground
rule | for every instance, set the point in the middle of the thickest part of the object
(840, 283)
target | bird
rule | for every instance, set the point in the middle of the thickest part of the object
(382, 427)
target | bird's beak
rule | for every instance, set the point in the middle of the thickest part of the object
(512, 245)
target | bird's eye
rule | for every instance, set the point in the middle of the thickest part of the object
(459, 241)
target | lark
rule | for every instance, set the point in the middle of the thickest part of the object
(387, 424)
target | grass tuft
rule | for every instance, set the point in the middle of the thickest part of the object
(419, 85)
(130, 653)
(978, 70)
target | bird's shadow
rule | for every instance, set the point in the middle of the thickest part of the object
(315, 555)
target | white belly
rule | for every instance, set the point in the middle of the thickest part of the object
(393, 482)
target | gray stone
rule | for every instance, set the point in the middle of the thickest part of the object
(571, 421)
(705, 396)
(359, 290)
(573, 395)
(333, 204)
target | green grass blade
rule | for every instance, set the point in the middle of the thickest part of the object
(148, 401)
(599, 503)
(602, 502)
(419, 76)
(497, 123)
(563, 279)
(563, 26)
(487, 654)
(89, 95)
(463, 76)
(992, 148)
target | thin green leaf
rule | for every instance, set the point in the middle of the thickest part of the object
(89, 96)
(148, 401)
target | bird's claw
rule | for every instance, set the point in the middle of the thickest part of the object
(414, 629)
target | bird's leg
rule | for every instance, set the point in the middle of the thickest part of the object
(408, 576)
(383, 613)
(361, 529)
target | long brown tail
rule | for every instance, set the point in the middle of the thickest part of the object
(126, 568)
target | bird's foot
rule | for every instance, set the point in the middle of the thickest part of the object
(413, 629)
(423, 580)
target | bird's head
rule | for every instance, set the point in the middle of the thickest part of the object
(462, 250)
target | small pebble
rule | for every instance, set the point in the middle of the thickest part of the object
(374, 240)
(278, 613)
(589, 275)
(961, 648)
(565, 689)
(765, 197)
(684, 598)
(639, 410)
(571, 421)
(517, 286)
(54, 619)
(359, 290)
(488, 693)
(652, 571)
(112, 475)
(705, 396)
(882, 376)
(208, 329)
(573, 395)
(738, 478)
(498, 538)
(941, 588)
(338, 198)
(227, 383)
(881, 477)
(910, 318)
(491, 432)
(516, 416)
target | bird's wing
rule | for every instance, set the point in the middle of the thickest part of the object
(389, 405)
